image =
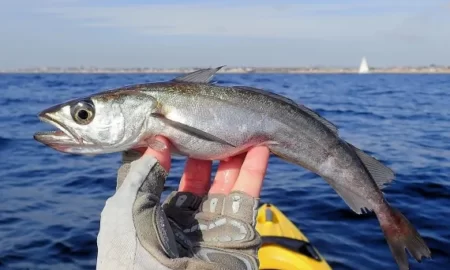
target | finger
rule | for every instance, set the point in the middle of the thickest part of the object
(162, 156)
(196, 177)
(253, 171)
(227, 174)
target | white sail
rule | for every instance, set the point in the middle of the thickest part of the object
(364, 67)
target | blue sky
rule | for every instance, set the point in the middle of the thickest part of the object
(170, 33)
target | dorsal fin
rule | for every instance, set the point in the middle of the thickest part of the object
(382, 174)
(266, 93)
(307, 110)
(324, 121)
(199, 76)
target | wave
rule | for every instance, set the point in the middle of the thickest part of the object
(54, 200)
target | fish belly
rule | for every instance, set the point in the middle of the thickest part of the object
(237, 129)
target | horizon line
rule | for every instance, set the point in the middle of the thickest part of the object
(225, 67)
(431, 68)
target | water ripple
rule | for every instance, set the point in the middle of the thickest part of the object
(51, 206)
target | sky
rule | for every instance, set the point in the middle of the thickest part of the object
(181, 33)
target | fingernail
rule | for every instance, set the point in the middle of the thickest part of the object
(164, 141)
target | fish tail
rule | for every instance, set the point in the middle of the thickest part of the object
(400, 234)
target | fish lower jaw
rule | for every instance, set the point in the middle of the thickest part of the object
(57, 138)
(59, 141)
(61, 133)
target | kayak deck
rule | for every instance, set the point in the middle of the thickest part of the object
(284, 246)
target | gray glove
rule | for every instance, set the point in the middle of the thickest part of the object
(186, 232)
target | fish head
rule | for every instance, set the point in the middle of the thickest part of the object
(107, 122)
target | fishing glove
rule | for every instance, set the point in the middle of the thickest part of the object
(185, 232)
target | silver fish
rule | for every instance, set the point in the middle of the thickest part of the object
(211, 122)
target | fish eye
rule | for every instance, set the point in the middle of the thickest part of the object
(83, 112)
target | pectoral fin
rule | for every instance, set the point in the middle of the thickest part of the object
(191, 130)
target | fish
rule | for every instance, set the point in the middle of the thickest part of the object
(207, 121)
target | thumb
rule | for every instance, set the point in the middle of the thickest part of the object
(161, 153)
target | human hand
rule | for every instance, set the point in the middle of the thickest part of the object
(201, 226)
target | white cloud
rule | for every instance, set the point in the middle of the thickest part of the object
(257, 32)
(360, 19)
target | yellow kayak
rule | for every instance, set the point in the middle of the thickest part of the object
(283, 244)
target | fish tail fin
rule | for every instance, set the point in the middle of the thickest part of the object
(400, 234)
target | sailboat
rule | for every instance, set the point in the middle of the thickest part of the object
(364, 67)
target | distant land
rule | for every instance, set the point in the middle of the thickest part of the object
(237, 70)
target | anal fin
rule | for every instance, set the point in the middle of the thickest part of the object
(357, 203)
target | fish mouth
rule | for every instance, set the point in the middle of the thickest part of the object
(61, 139)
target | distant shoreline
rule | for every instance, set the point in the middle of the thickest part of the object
(231, 70)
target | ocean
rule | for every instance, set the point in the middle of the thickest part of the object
(51, 202)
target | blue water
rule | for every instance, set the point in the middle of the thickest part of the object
(50, 202)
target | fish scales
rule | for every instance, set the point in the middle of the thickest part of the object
(208, 121)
